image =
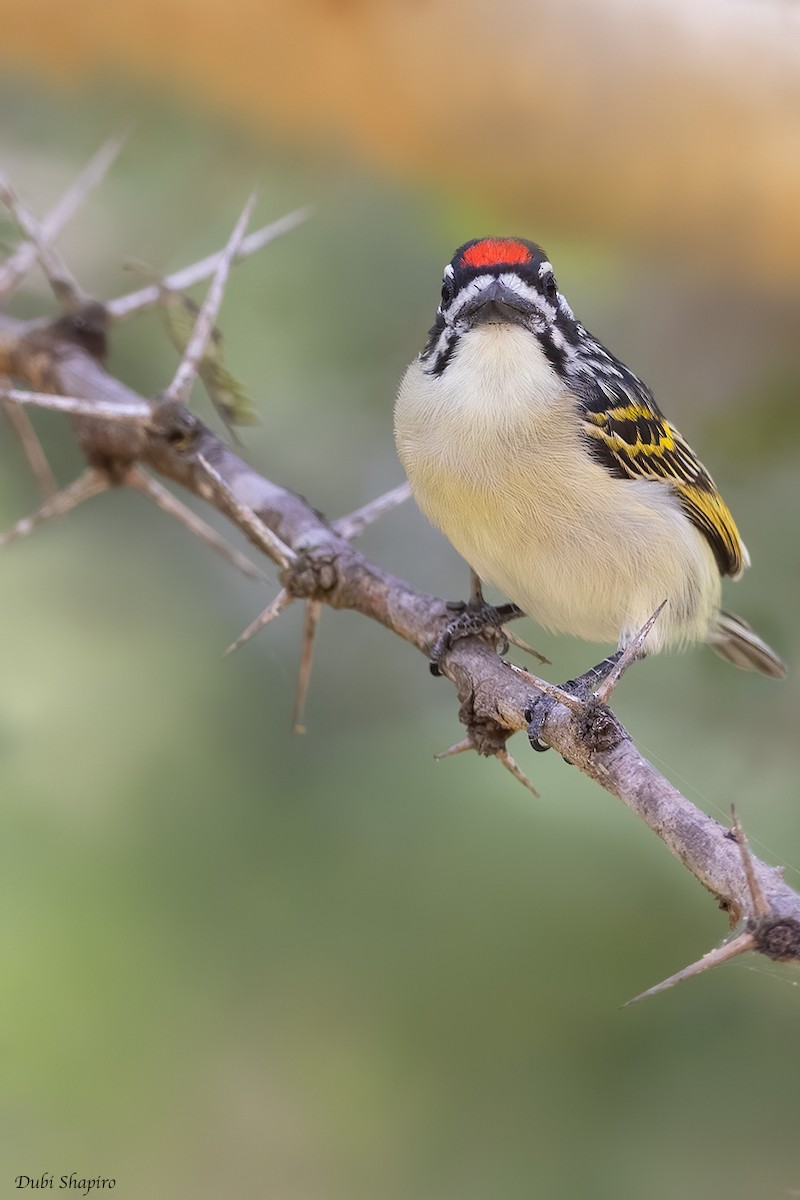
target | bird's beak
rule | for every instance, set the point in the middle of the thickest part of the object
(497, 305)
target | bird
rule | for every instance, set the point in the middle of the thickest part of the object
(550, 468)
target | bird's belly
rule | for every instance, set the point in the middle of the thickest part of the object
(578, 550)
(495, 455)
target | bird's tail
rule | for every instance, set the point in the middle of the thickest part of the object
(734, 639)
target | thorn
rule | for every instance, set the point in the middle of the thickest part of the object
(249, 521)
(513, 640)
(149, 297)
(273, 610)
(569, 701)
(475, 589)
(32, 448)
(513, 768)
(148, 486)
(458, 748)
(90, 483)
(356, 522)
(20, 262)
(106, 410)
(721, 954)
(178, 391)
(502, 756)
(761, 907)
(179, 314)
(313, 613)
(64, 286)
(631, 653)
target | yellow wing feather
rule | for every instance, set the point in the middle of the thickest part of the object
(635, 441)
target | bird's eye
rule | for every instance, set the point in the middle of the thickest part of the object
(551, 289)
(448, 285)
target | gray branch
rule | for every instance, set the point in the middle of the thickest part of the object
(318, 563)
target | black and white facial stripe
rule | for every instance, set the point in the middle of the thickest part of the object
(575, 355)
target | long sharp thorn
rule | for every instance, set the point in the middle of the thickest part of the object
(758, 900)
(356, 522)
(273, 610)
(475, 589)
(150, 296)
(513, 768)
(513, 640)
(168, 503)
(739, 945)
(106, 410)
(178, 390)
(23, 258)
(247, 520)
(631, 654)
(313, 613)
(32, 448)
(64, 286)
(549, 689)
(457, 748)
(90, 483)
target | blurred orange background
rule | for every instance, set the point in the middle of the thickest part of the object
(677, 122)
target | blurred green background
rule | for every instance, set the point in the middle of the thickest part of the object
(240, 962)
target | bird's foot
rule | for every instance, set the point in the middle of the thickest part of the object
(590, 692)
(581, 689)
(474, 620)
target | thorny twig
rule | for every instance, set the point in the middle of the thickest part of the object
(17, 265)
(356, 522)
(631, 654)
(61, 280)
(82, 406)
(273, 610)
(759, 926)
(260, 532)
(168, 503)
(317, 563)
(90, 483)
(148, 297)
(310, 627)
(178, 391)
(32, 448)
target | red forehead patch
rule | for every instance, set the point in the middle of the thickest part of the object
(491, 252)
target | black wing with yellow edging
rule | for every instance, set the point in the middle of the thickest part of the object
(632, 438)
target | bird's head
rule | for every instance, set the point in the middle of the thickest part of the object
(503, 282)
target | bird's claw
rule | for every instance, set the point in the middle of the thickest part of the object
(582, 689)
(536, 715)
(473, 620)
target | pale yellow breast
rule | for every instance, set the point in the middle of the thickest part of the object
(494, 453)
